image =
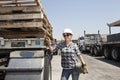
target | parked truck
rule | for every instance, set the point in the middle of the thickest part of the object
(111, 49)
(102, 44)
(24, 30)
(92, 43)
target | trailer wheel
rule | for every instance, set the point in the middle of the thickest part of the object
(115, 54)
(81, 49)
(107, 53)
(91, 51)
(97, 51)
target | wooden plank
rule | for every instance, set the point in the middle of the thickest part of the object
(15, 35)
(38, 2)
(24, 9)
(17, 3)
(26, 26)
(21, 24)
(48, 34)
(21, 16)
(45, 19)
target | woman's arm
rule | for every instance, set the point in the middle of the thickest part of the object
(51, 48)
(48, 41)
(81, 59)
(84, 66)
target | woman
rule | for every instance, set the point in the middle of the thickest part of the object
(69, 50)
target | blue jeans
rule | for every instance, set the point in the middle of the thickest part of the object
(67, 72)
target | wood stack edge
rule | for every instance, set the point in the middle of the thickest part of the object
(23, 19)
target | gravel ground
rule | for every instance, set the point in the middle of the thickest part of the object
(99, 68)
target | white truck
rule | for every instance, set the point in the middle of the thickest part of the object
(111, 49)
(92, 43)
(105, 45)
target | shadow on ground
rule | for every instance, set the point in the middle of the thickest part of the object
(101, 58)
(109, 61)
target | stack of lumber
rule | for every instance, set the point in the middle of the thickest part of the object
(23, 19)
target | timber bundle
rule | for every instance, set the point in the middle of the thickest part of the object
(23, 19)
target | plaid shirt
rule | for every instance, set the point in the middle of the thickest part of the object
(68, 54)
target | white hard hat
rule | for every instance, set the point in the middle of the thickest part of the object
(67, 30)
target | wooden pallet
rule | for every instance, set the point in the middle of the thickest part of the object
(19, 2)
(21, 15)
(20, 9)
(21, 34)
(10, 17)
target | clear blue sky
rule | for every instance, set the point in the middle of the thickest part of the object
(80, 15)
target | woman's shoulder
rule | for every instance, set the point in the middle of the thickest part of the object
(73, 43)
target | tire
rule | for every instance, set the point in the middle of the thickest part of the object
(107, 53)
(91, 51)
(81, 48)
(115, 54)
(97, 51)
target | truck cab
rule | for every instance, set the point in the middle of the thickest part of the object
(92, 43)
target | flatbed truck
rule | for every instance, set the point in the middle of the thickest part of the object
(104, 45)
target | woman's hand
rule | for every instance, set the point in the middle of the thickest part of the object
(85, 68)
(48, 41)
